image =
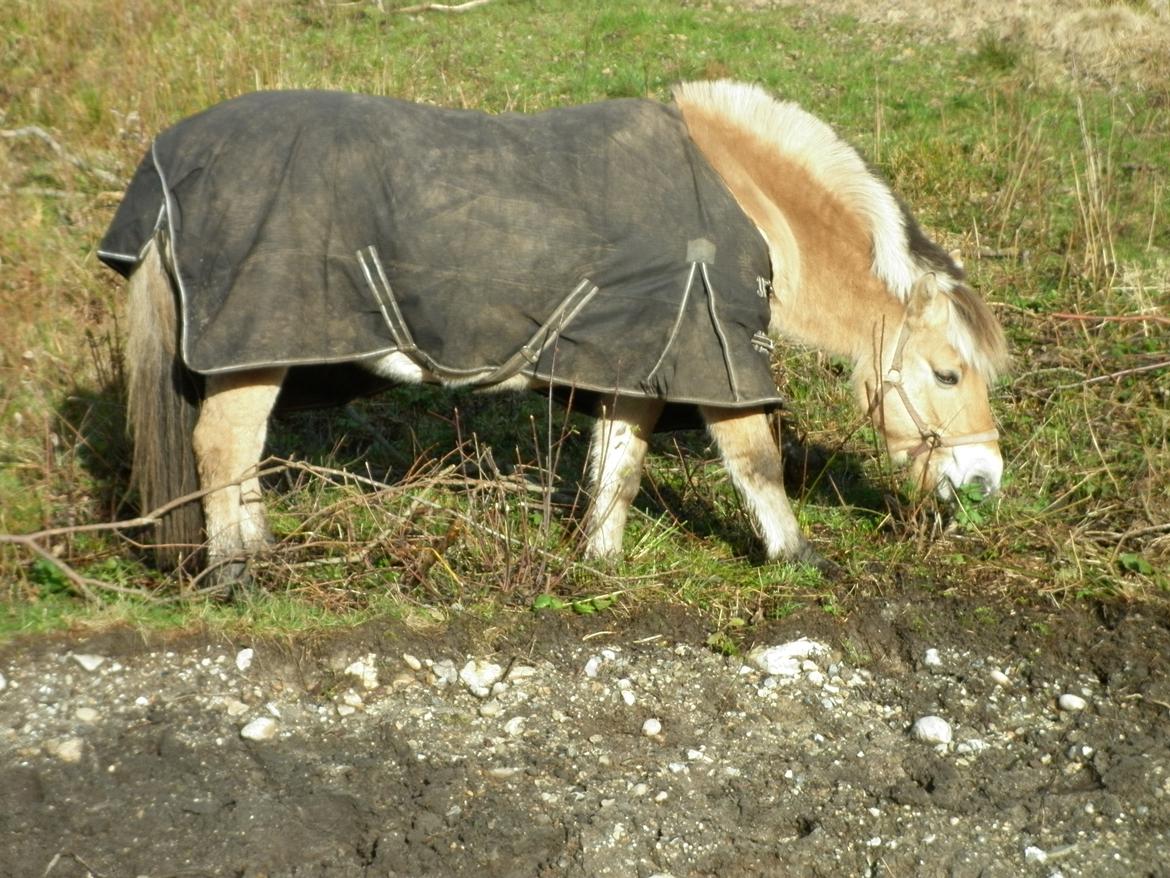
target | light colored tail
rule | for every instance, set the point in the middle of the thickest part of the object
(163, 407)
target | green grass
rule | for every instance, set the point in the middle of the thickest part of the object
(1054, 193)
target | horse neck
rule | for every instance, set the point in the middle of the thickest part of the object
(826, 294)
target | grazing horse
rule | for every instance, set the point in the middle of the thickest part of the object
(310, 246)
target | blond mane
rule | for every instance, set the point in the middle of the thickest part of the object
(901, 252)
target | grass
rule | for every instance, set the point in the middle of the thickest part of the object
(1053, 193)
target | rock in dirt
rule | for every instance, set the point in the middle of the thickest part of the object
(244, 659)
(479, 676)
(366, 670)
(260, 729)
(785, 660)
(1071, 703)
(932, 730)
(88, 662)
(68, 750)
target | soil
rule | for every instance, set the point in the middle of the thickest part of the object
(394, 767)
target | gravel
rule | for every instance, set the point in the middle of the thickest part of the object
(592, 747)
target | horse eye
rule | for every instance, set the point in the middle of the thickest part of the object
(947, 378)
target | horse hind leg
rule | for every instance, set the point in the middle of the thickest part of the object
(620, 439)
(752, 459)
(228, 441)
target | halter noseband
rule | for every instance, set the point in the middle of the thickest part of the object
(931, 438)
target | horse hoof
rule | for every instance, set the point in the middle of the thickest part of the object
(227, 580)
(806, 554)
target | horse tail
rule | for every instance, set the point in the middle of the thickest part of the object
(163, 406)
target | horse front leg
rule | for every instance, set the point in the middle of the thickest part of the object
(228, 441)
(620, 439)
(751, 456)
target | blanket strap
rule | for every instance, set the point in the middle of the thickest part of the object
(384, 295)
(530, 354)
(549, 332)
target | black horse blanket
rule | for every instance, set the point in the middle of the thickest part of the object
(591, 247)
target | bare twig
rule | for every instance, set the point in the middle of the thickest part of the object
(43, 135)
(88, 588)
(1121, 373)
(442, 7)
(1112, 318)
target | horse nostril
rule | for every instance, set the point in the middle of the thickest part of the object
(981, 483)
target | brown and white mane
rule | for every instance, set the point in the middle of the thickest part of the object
(799, 160)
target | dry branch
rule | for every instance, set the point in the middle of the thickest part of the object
(1112, 318)
(88, 588)
(442, 7)
(41, 134)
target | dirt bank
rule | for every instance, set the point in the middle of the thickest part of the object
(592, 747)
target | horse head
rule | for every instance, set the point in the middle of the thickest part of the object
(926, 388)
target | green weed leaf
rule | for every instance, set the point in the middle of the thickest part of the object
(1131, 562)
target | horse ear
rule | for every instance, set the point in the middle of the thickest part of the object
(927, 304)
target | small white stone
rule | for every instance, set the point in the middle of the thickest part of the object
(504, 772)
(244, 658)
(1071, 703)
(932, 659)
(514, 726)
(67, 749)
(3, 683)
(86, 715)
(262, 728)
(652, 727)
(445, 672)
(366, 670)
(521, 672)
(816, 678)
(236, 708)
(974, 745)
(479, 676)
(89, 662)
(353, 699)
(411, 662)
(1000, 678)
(491, 709)
(592, 666)
(785, 660)
(1033, 854)
(629, 697)
(344, 710)
(932, 730)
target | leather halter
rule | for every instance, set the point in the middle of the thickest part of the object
(931, 438)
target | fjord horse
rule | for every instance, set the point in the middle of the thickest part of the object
(852, 275)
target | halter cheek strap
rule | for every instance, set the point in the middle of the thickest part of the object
(931, 438)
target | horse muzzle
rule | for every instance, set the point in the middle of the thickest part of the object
(970, 465)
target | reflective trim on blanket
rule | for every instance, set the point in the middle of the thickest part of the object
(384, 296)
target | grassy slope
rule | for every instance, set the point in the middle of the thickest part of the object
(1052, 194)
